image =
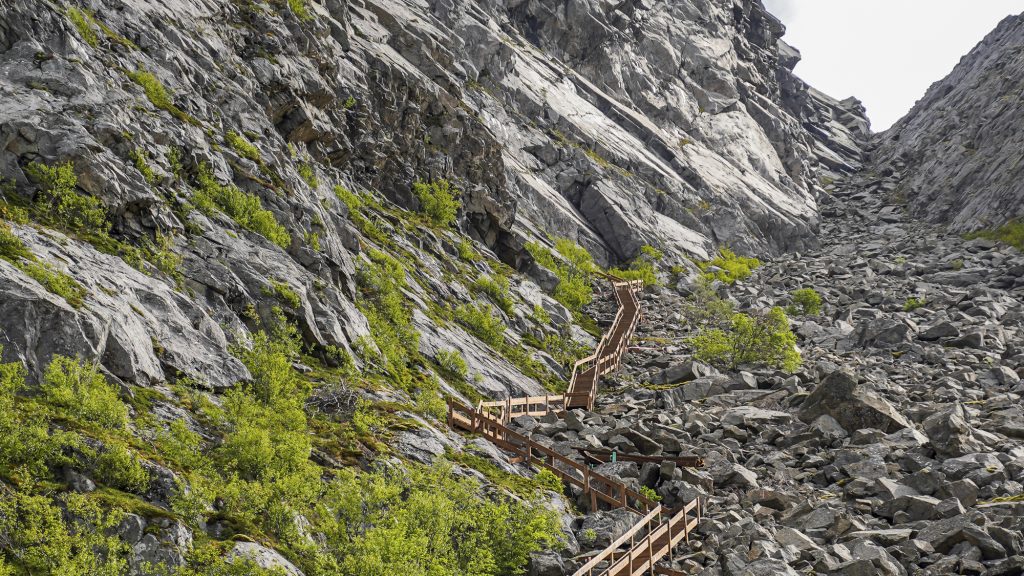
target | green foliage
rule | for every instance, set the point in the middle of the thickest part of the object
(728, 267)
(427, 521)
(758, 339)
(355, 205)
(242, 145)
(59, 204)
(83, 23)
(548, 480)
(452, 365)
(429, 401)
(574, 271)
(913, 303)
(41, 538)
(158, 95)
(285, 293)
(79, 391)
(381, 282)
(309, 175)
(563, 348)
(438, 200)
(244, 208)
(118, 467)
(540, 315)
(806, 301)
(705, 307)
(55, 281)
(643, 267)
(650, 494)
(301, 11)
(482, 322)
(141, 159)
(497, 289)
(466, 251)
(1011, 233)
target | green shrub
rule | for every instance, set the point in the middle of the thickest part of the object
(117, 467)
(806, 301)
(574, 271)
(301, 11)
(466, 251)
(141, 159)
(80, 391)
(55, 281)
(452, 364)
(650, 494)
(355, 204)
(381, 282)
(244, 208)
(728, 267)
(913, 303)
(705, 307)
(284, 292)
(309, 175)
(548, 480)
(67, 537)
(482, 322)
(59, 204)
(751, 339)
(158, 95)
(540, 315)
(497, 289)
(242, 145)
(83, 23)
(438, 200)
(1011, 233)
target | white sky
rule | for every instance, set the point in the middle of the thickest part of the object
(885, 52)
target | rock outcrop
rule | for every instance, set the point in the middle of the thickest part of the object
(957, 153)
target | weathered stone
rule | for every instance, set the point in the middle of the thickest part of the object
(851, 405)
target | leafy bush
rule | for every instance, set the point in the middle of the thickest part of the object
(482, 322)
(141, 159)
(243, 207)
(438, 200)
(242, 145)
(56, 281)
(355, 204)
(117, 467)
(705, 307)
(80, 391)
(643, 267)
(548, 480)
(43, 539)
(452, 364)
(1011, 233)
(650, 494)
(574, 271)
(381, 282)
(158, 95)
(301, 11)
(913, 303)
(283, 292)
(757, 339)
(497, 289)
(309, 175)
(728, 267)
(806, 301)
(467, 252)
(59, 203)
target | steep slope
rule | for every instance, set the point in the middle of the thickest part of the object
(958, 150)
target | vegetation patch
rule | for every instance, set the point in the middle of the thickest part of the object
(158, 95)
(497, 289)
(913, 303)
(643, 267)
(574, 270)
(806, 302)
(241, 144)
(381, 282)
(750, 339)
(439, 201)
(83, 23)
(1011, 233)
(244, 208)
(14, 251)
(728, 267)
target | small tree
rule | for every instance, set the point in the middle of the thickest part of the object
(806, 301)
(439, 201)
(751, 339)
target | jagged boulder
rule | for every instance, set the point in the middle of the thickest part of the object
(840, 396)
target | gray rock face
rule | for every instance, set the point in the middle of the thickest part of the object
(841, 397)
(965, 134)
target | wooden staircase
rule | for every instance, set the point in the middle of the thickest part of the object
(657, 534)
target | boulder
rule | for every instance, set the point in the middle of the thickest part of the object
(854, 407)
(951, 434)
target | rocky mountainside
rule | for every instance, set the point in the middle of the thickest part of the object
(249, 248)
(958, 150)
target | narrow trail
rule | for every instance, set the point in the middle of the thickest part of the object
(661, 530)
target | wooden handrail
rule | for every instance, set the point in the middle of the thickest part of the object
(628, 535)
